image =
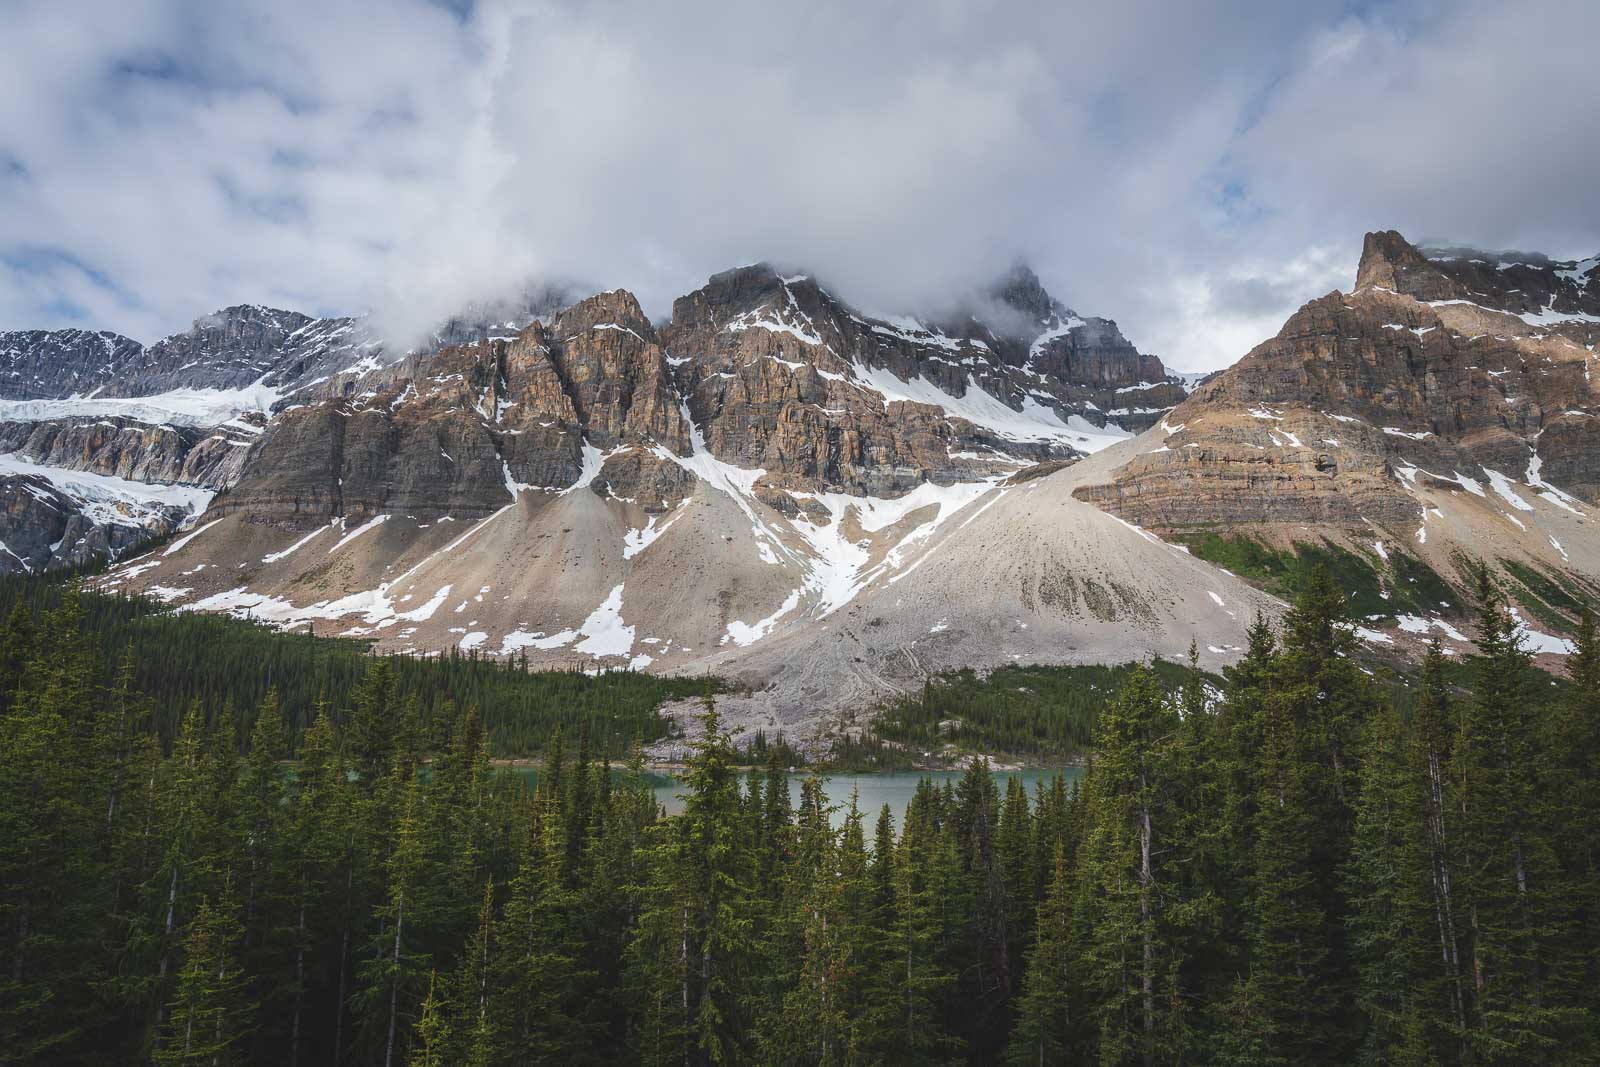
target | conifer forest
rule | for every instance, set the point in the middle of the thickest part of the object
(1284, 865)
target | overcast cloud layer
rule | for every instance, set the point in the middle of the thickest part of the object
(1195, 170)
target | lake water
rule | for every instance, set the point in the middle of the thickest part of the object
(874, 790)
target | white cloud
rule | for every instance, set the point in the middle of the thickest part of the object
(1195, 171)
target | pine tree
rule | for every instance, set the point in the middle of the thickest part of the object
(1512, 880)
(430, 1049)
(534, 978)
(1387, 879)
(920, 975)
(720, 883)
(1442, 989)
(1573, 740)
(207, 1015)
(370, 736)
(1044, 1023)
(392, 976)
(1317, 701)
(1016, 864)
(260, 810)
(1125, 866)
(312, 847)
(1289, 1008)
(692, 958)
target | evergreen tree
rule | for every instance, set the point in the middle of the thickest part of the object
(207, 1015)
(920, 976)
(1386, 880)
(392, 977)
(1130, 884)
(694, 953)
(1573, 742)
(1441, 989)
(1519, 936)
(1044, 1023)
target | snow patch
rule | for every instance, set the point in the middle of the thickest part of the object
(745, 635)
(106, 499)
(273, 557)
(370, 524)
(1502, 486)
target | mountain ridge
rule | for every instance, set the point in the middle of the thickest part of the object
(823, 504)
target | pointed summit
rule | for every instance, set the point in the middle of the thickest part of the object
(1389, 261)
(1022, 290)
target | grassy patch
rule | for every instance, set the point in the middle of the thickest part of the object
(1552, 600)
(1405, 586)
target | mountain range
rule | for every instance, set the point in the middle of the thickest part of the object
(820, 503)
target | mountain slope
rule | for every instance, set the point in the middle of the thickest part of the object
(750, 475)
(1446, 408)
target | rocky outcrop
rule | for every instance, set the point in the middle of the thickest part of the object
(136, 451)
(276, 351)
(766, 374)
(1550, 293)
(44, 527)
(1332, 420)
(41, 364)
(461, 431)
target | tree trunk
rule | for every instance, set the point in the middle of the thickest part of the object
(1444, 892)
(166, 956)
(344, 966)
(1147, 979)
(22, 941)
(394, 987)
(299, 977)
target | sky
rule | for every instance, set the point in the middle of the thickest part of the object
(1194, 171)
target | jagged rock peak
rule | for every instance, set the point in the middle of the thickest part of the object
(618, 307)
(1022, 290)
(1389, 261)
(1514, 282)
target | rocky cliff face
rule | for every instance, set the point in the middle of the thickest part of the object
(38, 364)
(131, 450)
(1442, 415)
(820, 502)
(768, 374)
(183, 412)
(598, 488)
(43, 528)
(1451, 368)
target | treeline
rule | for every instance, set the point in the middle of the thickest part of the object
(1288, 871)
(1045, 714)
(229, 665)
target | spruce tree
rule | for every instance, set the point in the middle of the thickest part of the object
(1127, 866)
(207, 1015)
(1044, 1021)
(1386, 881)
(1573, 741)
(1519, 934)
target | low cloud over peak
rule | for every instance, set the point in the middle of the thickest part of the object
(1194, 173)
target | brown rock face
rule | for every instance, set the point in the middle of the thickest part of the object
(457, 432)
(1323, 423)
(768, 374)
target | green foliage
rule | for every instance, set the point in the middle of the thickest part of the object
(180, 658)
(1405, 585)
(1035, 713)
(1554, 600)
(1289, 868)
